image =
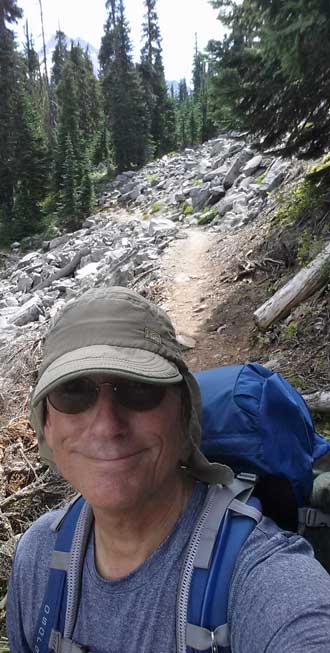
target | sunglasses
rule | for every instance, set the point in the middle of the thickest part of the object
(78, 395)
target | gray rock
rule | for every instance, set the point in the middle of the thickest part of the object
(216, 194)
(161, 226)
(28, 312)
(189, 165)
(10, 300)
(186, 342)
(245, 183)
(218, 147)
(24, 282)
(225, 205)
(274, 176)
(59, 241)
(218, 172)
(26, 260)
(180, 197)
(89, 223)
(253, 165)
(236, 167)
(86, 271)
(200, 197)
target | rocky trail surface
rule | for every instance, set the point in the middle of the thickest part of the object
(188, 232)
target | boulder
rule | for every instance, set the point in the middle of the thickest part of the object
(200, 197)
(253, 165)
(225, 205)
(218, 172)
(236, 167)
(161, 226)
(28, 312)
(86, 271)
(216, 194)
(24, 282)
(274, 176)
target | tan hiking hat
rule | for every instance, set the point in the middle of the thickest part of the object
(117, 331)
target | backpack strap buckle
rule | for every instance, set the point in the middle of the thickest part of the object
(313, 518)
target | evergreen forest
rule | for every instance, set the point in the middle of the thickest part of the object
(63, 129)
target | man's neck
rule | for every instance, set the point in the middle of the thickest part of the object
(124, 542)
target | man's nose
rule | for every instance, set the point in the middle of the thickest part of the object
(109, 417)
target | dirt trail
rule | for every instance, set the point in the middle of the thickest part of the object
(185, 271)
(204, 301)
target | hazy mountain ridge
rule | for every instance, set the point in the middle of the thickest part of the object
(51, 44)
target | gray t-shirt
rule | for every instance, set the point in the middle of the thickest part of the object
(279, 598)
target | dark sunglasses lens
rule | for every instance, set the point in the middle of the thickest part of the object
(139, 396)
(74, 396)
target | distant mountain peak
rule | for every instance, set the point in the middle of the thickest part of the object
(51, 44)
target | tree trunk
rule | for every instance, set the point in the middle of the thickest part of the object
(298, 289)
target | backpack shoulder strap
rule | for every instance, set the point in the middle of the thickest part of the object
(229, 516)
(59, 608)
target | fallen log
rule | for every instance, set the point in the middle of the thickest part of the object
(66, 271)
(318, 402)
(302, 286)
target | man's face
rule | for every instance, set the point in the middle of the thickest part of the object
(118, 458)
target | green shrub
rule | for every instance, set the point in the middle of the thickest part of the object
(261, 178)
(156, 206)
(302, 198)
(187, 209)
(309, 247)
(152, 179)
(290, 330)
(207, 216)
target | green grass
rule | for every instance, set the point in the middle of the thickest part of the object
(303, 198)
(260, 179)
(156, 206)
(187, 209)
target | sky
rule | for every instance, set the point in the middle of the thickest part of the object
(179, 20)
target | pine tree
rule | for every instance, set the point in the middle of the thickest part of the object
(124, 99)
(204, 124)
(183, 91)
(153, 78)
(271, 73)
(68, 123)
(23, 154)
(9, 13)
(87, 92)
(68, 205)
(86, 191)
(59, 57)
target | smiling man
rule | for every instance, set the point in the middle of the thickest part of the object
(117, 411)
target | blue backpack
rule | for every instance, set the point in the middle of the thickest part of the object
(254, 421)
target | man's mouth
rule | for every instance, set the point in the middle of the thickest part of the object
(113, 458)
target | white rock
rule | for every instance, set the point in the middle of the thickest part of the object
(86, 271)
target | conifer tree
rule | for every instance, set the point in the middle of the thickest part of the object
(68, 123)
(88, 94)
(86, 190)
(271, 73)
(9, 13)
(125, 104)
(204, 124)
(23, 155)
(59, 57)
(68, 205)
(153, 78)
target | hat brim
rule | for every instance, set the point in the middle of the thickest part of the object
(126, 362)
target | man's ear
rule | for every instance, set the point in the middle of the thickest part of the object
(47, 425)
